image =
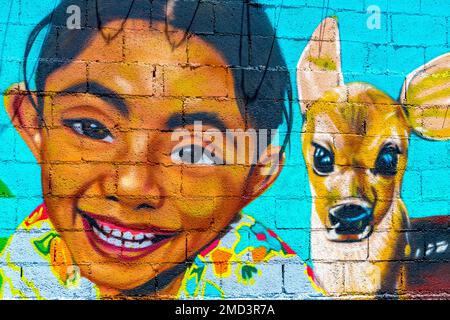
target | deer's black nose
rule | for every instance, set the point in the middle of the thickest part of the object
(350, 219)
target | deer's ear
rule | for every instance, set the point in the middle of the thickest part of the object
(319, 68)
(426, 99)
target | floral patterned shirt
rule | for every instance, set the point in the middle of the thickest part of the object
(249, 261)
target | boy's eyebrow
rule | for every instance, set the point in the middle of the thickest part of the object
(102, 92)
(178, 120)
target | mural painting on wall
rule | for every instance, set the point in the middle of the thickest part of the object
(153, 135)
(355, 144)
(120, 217)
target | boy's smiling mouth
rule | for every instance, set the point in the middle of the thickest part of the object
(113, 238)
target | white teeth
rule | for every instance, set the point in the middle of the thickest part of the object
(128, 244)
(128, 235)
(114, 242)
(123, 240)
(145, 244)
(135, 245)
(106, 229)
(99, 234)
(139, 236)
(117, 243)
(116, 233)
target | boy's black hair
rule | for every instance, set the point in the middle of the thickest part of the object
(240, 30)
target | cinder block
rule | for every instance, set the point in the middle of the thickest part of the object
(427, 30)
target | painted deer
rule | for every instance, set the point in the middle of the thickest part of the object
(355, 144)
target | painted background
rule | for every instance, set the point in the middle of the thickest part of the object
(412, 32)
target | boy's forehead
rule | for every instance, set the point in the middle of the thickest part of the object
(140, 42)
(142, 68)
(145, 61)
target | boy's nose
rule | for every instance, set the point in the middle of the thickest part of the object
(350, 218)
(137, 187)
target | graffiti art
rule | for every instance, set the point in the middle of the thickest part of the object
(249, 149)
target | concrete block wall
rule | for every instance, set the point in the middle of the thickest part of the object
(245, 73)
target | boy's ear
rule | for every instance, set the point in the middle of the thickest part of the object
(24, 117)
(319, 68)
(265, 172)
(426, 99)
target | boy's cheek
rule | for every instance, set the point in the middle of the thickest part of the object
(61, 146)
(69, 179)
(201, 214)
(62, 215)
(199, 209)
(214, 181)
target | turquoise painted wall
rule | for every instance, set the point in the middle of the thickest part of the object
(412, 32)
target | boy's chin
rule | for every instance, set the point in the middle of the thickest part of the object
(112, 281)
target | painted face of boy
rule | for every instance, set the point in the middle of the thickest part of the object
(125, 210)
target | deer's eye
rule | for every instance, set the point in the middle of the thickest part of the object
(323, 160)
(387, 161)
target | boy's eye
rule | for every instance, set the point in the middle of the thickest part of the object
(90, 128)
(387, 160)
(193, 154)
(323, 160)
